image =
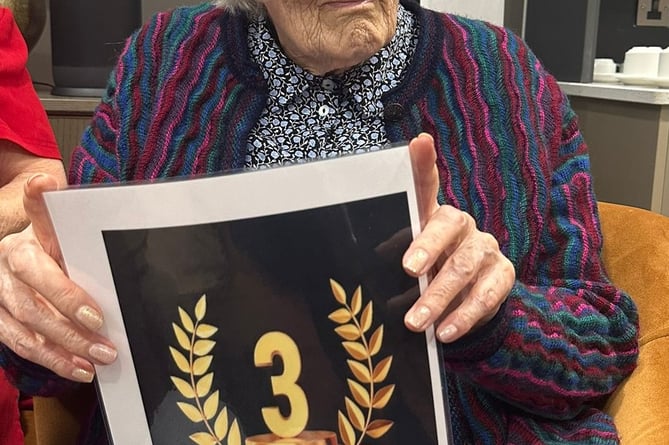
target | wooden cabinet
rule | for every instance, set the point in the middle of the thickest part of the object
(68, 116)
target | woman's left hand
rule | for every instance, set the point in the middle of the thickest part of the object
(471, 277)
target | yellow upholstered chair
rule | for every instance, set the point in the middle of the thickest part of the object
(58, 419)
(636, 255)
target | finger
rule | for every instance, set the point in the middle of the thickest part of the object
(34, 348)
(425, 174)
(35, 207)
(31, 309)
(461, 268)
(480, 304)
(38, 315)
(447, 229)
(49, 281)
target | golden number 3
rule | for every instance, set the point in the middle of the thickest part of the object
(279, 344)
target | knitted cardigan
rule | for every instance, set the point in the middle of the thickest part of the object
(185, 95)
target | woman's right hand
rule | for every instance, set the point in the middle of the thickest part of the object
(44, 316)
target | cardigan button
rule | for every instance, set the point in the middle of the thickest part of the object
(328, 84)
(393, 112)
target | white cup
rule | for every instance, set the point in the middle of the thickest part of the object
(663, 69)
(604, 66)
(643, 61)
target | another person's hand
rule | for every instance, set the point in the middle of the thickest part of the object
(44, 316)
(16, 166)
(471, 277)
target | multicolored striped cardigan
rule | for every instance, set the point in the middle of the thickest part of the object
(185, 95)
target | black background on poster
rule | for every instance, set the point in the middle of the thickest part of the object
(266, 274)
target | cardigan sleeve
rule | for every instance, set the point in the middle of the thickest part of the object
(162, 112)
(30, 378)
(566, 336)
(95, 159)
(120, 128)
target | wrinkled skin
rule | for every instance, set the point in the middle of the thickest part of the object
(329, 36)
(16, 167)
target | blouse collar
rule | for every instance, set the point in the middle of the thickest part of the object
(363, 84)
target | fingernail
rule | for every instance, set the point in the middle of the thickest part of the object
(36, 175)
(102, 353)
(89, 317)
(445, 335)
(419, 317)
(82, 375)
(416, 261)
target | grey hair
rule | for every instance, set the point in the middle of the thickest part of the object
(252, 8)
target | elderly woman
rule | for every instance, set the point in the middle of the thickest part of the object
(533, 333)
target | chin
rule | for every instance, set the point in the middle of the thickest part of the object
(363, 43)
(349, 46)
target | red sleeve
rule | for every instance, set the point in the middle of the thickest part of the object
(22, 117)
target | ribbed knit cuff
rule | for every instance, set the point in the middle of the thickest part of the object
(482, 343)
(30, 378)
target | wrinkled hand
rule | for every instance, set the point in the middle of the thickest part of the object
(472, 278)
(44, 316)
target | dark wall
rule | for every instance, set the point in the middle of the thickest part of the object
(563, 35)
(39, 63)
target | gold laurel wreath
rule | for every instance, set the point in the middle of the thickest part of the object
(361, 350)
(194, 338)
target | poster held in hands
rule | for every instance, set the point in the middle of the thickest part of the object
(260, 307)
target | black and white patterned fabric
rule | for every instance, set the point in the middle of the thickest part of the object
(313, 117)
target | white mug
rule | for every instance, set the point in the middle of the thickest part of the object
(604, 66)
(642, 61)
